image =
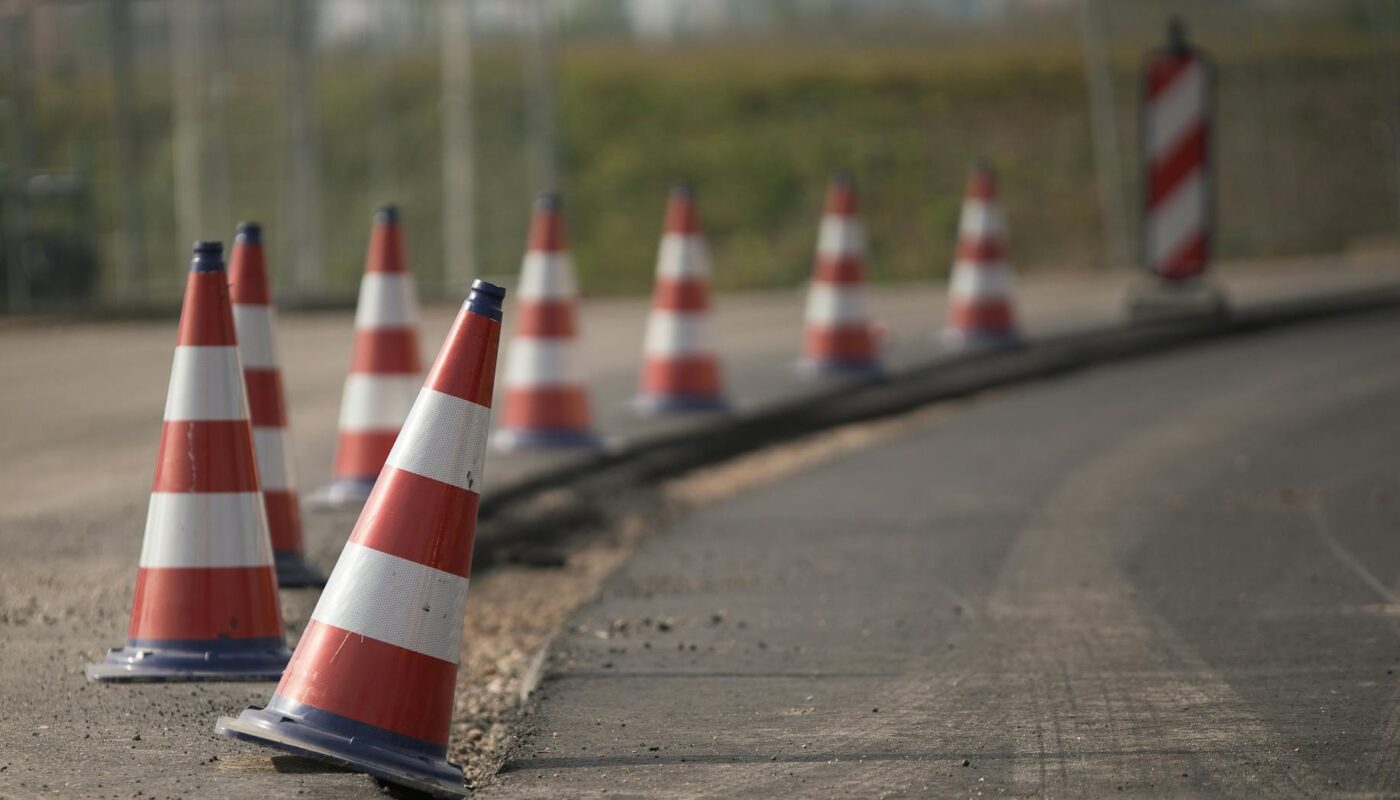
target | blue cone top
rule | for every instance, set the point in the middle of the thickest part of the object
(208, 257)
(485, 299)
(549, 201)
(684, 189)
(1176, 37)
(842, 177)
(387, 214)
(249, 233)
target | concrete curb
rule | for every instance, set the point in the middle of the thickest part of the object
(589, 487)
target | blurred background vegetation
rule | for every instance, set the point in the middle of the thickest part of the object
(756, 109)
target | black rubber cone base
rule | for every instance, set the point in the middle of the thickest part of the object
(295, 572)
(421, 772)
(133, 664)
(837, 368)
(341, 494)
(661, 404)
(517, 440)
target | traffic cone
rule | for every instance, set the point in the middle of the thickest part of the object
(839, 337)
(206, 593)
(546, 404)
(385, 369)
(679, 369)
(254, 317)
(371, 684)
(980, 313)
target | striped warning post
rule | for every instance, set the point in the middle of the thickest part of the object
(372, 680)
(206, 603)
(1176, 115)
(980, 312)
(680, 371)
(838, 336)
(384, 369)
(546, 404)
(254, 319)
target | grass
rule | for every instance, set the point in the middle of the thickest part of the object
(1302, 144)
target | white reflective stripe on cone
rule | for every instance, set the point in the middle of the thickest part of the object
(387, 300)
(682, 255)
(535, 361)
(546, 276)
(206, 529)
(1181, 216)
(444, 439)
(254, 327)
(840, 236)
(274, 470)
(376, 402)
(206, 383)
(396, 601)
(1176, 110)
(981, 220)
(835, 303)
(973, 280)
(677, 333)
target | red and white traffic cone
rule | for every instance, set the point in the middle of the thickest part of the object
(680, 371)
(385, 369)
(254, 318)
(546, 404)
(839, 337)
(206, 603)
(980, 312)
(370, 686)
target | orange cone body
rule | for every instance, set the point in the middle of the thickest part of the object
(980, 311)
(206, 604)
(839, 337)
(372, 680)
(254, 319)
(546, 403)
(680, 371)
(385, 369)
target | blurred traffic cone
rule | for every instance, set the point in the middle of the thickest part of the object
(838, 337)
(206, 594)
(546, 404)
(384, 371)
(679, 369)
(371, 684)
(253, 317)
(979, 302)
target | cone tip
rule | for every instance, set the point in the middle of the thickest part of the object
(843, 178)
(1176, 35)
(683, 190)
(485, 299)
(249, 233)
(208, 257)
(549, 201)
(387, 214)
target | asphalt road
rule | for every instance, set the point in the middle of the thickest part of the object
(1170, 577)
(82, 406)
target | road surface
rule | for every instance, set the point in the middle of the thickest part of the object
(82, 409)
(1170, 577)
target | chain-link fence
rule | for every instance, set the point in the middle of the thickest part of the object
(130, 127)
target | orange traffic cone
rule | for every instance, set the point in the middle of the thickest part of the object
(384, 371)
(253, 317)
(679, 369)
(206, 594)
(546, 404)
(839, 337)
(980, 313)
(370, 686)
